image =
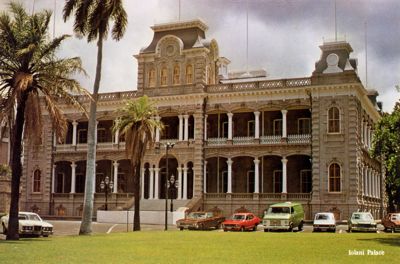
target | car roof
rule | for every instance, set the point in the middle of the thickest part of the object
(286, 204)
(325, 213)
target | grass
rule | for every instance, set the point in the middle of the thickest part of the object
(202, 247)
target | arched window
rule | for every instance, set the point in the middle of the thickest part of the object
(36, 181)
(176, 75)
(189, 74)
(152, 78)
(164, 74)
(333, 120)
(334, 178)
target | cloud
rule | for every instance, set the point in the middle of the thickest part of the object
(284, 36)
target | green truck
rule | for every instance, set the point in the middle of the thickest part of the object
(284, 216)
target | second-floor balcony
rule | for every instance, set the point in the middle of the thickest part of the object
(263, 140)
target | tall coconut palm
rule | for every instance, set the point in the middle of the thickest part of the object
(136, 125)
(31, 76)
(92, 19)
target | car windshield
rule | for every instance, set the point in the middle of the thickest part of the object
(238, 217)
(362, 217)
(279, 210)
(322, 217)
(197, 215)
(396, 217)
(29, 217)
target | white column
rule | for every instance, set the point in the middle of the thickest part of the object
(151, 185)
(95, 132)
(54, 141)
(186, 134)
(179, 182)
(185, 185)
(53, 183)
(257, 125)
(180, 132)
(115, 180)
(205, 127)
(158, 130)
(229, 162)
(369, 182)
(284, 125)
(74, 130)
(73, 177)
(256, 175)
(365, 178)
(116, 137)
(142, 182)
(230, 126)
(156, 183)
(376, 184)
(205, 177)
(284, 175)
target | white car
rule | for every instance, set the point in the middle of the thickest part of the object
(29, 224)
(324, 222)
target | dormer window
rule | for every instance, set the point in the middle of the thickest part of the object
(189, 74)
(176, 75)
(164, 74)
(152, 78)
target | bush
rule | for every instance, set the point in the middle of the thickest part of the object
(4, 170)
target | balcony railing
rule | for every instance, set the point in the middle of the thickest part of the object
(259, 196)
(271, 140)
(216, 141)
(299, 139)
(243, 140)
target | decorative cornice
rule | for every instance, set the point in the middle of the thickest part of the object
(197, 23)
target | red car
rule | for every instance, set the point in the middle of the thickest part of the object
(241, 222)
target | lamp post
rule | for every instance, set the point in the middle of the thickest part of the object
(172, 182)
(168, 145)
(104, 186)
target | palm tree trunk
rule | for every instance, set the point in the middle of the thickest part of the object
(16, 167)
(86, 224)
(136, 194)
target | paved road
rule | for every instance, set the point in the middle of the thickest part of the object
(63, 228)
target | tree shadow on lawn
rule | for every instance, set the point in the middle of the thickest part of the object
(24, 238)
(391, 241)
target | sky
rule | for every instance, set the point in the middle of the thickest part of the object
(283, 37)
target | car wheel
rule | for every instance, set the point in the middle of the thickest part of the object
(255, 228)
(225, 230)
(349, 230)
(334, 230)
(300, 227)
(266, 230)
(290, 228)
(181, 228)
(4, 229)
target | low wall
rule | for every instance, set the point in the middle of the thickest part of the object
(146, 217)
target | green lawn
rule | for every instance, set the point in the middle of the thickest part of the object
(202, 247)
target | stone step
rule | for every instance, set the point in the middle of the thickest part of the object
(159, 205)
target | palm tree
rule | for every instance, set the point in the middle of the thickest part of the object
(137, 126)
(92, 20)
(31, 76)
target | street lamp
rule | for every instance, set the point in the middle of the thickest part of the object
(168, 145)
(104, 186)
(172, 182)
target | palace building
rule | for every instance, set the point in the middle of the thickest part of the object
(241, 140)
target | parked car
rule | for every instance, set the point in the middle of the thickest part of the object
(391, 222)
(362, 221)
(284, 216)
(29, 224)
(241, 222)
(200, 221)
(324, 221)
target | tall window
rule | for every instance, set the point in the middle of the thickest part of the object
(305, 181)
(164, 74)
(176, 75)
(334, 178)
(251, 128)
(189, 74)
(277, 129)
(152, 78)
(304, 126)
(101, 135)
(333, 120)
(277, 181)
(82, 136)
(36, 180)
